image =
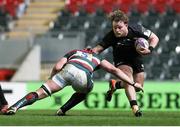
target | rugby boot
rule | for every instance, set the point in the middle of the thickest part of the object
(112, 89)
(11, 111)
(60, 113)
(136, 111)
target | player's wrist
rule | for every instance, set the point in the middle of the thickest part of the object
(133, 84)
(151, 49)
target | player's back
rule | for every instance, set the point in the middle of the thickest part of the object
(84, 59)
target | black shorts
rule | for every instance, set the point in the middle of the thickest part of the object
(136, 64)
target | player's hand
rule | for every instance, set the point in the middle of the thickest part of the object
(138, 87)
(144, 51)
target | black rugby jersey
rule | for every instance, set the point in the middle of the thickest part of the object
(123, 47)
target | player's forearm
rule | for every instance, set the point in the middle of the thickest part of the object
(153, 40)
(121, 75)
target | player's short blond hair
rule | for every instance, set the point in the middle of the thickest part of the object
(118, 15)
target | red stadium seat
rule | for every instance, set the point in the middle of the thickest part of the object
(107, 8)
(74, 5)
(159, 5)
(116, 3)
(142, 5)
(175, 4)
(72, 8)
(125, 5)
(1, 2)
(90, 6)
(73, 2)
(109, 2)
(6, 74)
(11, 6)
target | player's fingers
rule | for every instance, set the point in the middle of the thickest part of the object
(142, 90)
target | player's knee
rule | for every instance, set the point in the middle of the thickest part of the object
(46, 89)
(81, 96)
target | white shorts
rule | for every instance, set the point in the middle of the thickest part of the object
(77, 78)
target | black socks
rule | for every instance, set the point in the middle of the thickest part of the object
(75, 99)
(118, 85)
(133, 102)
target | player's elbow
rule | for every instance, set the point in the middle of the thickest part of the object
(57, 67)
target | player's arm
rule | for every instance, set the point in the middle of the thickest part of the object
(107, 66)
(105, 43)
(153, 41)
(58, 66)
(98, 49)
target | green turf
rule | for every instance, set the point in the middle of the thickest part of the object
(90, 118)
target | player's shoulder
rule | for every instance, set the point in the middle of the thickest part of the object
(72, 51)
(135, 27)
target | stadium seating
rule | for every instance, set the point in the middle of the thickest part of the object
(160, 5)
(159, 15)
(8, 13)
(175, 4)
(143, 5)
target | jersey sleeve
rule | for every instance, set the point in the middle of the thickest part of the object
(70, 53)
(107, 40)
(144, 32)
(140, 31)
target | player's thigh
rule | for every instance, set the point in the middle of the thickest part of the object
(47, 89)
(139, 77)
(127, 70)
(51, 86)
(54, 87)
(81, 81)
(129, 90)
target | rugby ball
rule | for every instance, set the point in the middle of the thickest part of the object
(141, 43)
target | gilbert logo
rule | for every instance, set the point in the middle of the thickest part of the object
(7, 91)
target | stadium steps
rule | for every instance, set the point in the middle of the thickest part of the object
(37, 18)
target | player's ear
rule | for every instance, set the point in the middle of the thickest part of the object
(126, 24)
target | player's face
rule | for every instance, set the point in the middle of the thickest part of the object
(120, 28)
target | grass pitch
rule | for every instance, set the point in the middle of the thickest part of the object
(90, 118)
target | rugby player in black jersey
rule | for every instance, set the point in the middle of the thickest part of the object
(122, 38)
